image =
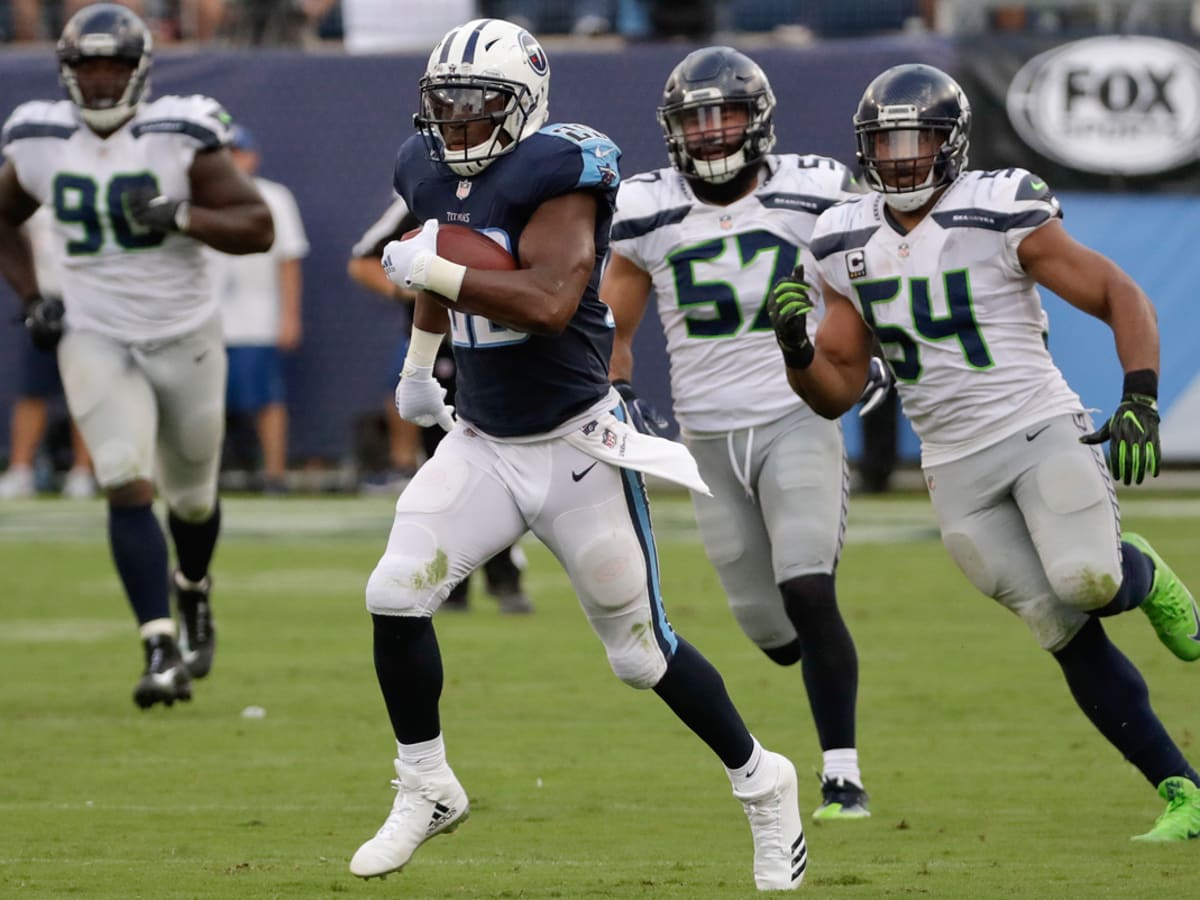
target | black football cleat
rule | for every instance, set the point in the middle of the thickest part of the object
(165, 678)
(197, 633)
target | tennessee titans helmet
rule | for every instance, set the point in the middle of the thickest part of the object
(105, 30)
(486, 72)
(899, 106)
(704, 83)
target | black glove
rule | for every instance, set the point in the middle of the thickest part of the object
(1132, 431)
(642, 415)
(44, 322)
(789, 306)
(156, 211)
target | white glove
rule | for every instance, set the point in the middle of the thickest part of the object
(421, 400)
(879, 382)
(407, 262)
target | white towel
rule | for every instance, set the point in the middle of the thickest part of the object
(617, 443)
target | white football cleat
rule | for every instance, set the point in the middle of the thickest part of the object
(425, 806)
(17, 483)
(780, 851)
(79, 484)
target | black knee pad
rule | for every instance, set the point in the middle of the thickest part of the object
(787, 655)
(809, 600)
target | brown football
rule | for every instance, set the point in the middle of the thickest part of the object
(469, 248)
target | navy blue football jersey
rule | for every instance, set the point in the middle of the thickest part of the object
(511, 383)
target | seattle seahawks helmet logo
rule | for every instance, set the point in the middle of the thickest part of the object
(534, 54)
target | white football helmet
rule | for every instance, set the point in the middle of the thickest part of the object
(486, 88)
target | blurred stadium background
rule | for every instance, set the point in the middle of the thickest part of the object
(328, 87)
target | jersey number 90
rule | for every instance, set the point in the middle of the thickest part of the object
(75, 203)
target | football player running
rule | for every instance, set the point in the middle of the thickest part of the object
(942, 264)
(542, 442)
(709, 236)
(137, 187)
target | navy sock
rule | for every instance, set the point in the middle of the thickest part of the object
(195, 543)
(139, 549)
(828, 659)
(1112, 693)
(696, 693)
(1137, 574)
(408, 664)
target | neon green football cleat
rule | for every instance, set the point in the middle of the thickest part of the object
(1170, 606)
(1182, 817)
(841, 799)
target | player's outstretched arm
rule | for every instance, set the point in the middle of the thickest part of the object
(227, 213)
(829, 373)
(16, 260)
(1095, 284)
(626, 289)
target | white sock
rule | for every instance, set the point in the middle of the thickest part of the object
(425, 757)
(155, 627)
(752, 778)
(843, 763)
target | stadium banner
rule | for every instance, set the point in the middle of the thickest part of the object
(1112, 124)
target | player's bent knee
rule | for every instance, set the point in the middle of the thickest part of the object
(970, 560)
(117, 463)
(610, 572)
(1084, 584)
(637, 667)
(406, 580)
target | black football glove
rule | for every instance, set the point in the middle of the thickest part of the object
(44, 322)
(1132, 435)
(642, 414)
(789, 306)
(156, 211)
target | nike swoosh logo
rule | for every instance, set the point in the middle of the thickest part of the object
(603, 153)
(755, 769)
(578, 476)
(1030, 435)
(200, 358)
(1037, 185)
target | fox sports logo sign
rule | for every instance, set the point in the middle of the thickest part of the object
(1111, 105)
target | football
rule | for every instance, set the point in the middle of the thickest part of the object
(469, 248)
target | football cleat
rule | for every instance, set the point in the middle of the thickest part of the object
(197, 634)
(780, 851)
(18, 483)
(841, 799)
(1181, 820)
(1170, 606)
(165, 678)
(425, 806)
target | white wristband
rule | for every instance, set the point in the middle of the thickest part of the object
(422, 350)
(444, 277)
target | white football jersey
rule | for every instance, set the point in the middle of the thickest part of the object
(119, 279)
(960, 321)
(712, 268)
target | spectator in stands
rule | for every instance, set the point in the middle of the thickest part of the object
(40, 383)
(390, 26)
(259, 296)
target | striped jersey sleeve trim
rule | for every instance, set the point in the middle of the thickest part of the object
(991, 220)
(634, 228)
(26, 130)
(803, 202)
(208, 138)
(829, 244)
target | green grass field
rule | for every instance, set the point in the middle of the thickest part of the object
(985, 779)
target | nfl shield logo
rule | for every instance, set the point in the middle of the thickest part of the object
(464, 188)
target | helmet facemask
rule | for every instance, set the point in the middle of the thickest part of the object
(469, 122)
(113, 34)
(713, 139)
(485, 89)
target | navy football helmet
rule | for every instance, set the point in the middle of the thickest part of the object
(106, 31)
(913, 126)
(698, 90)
